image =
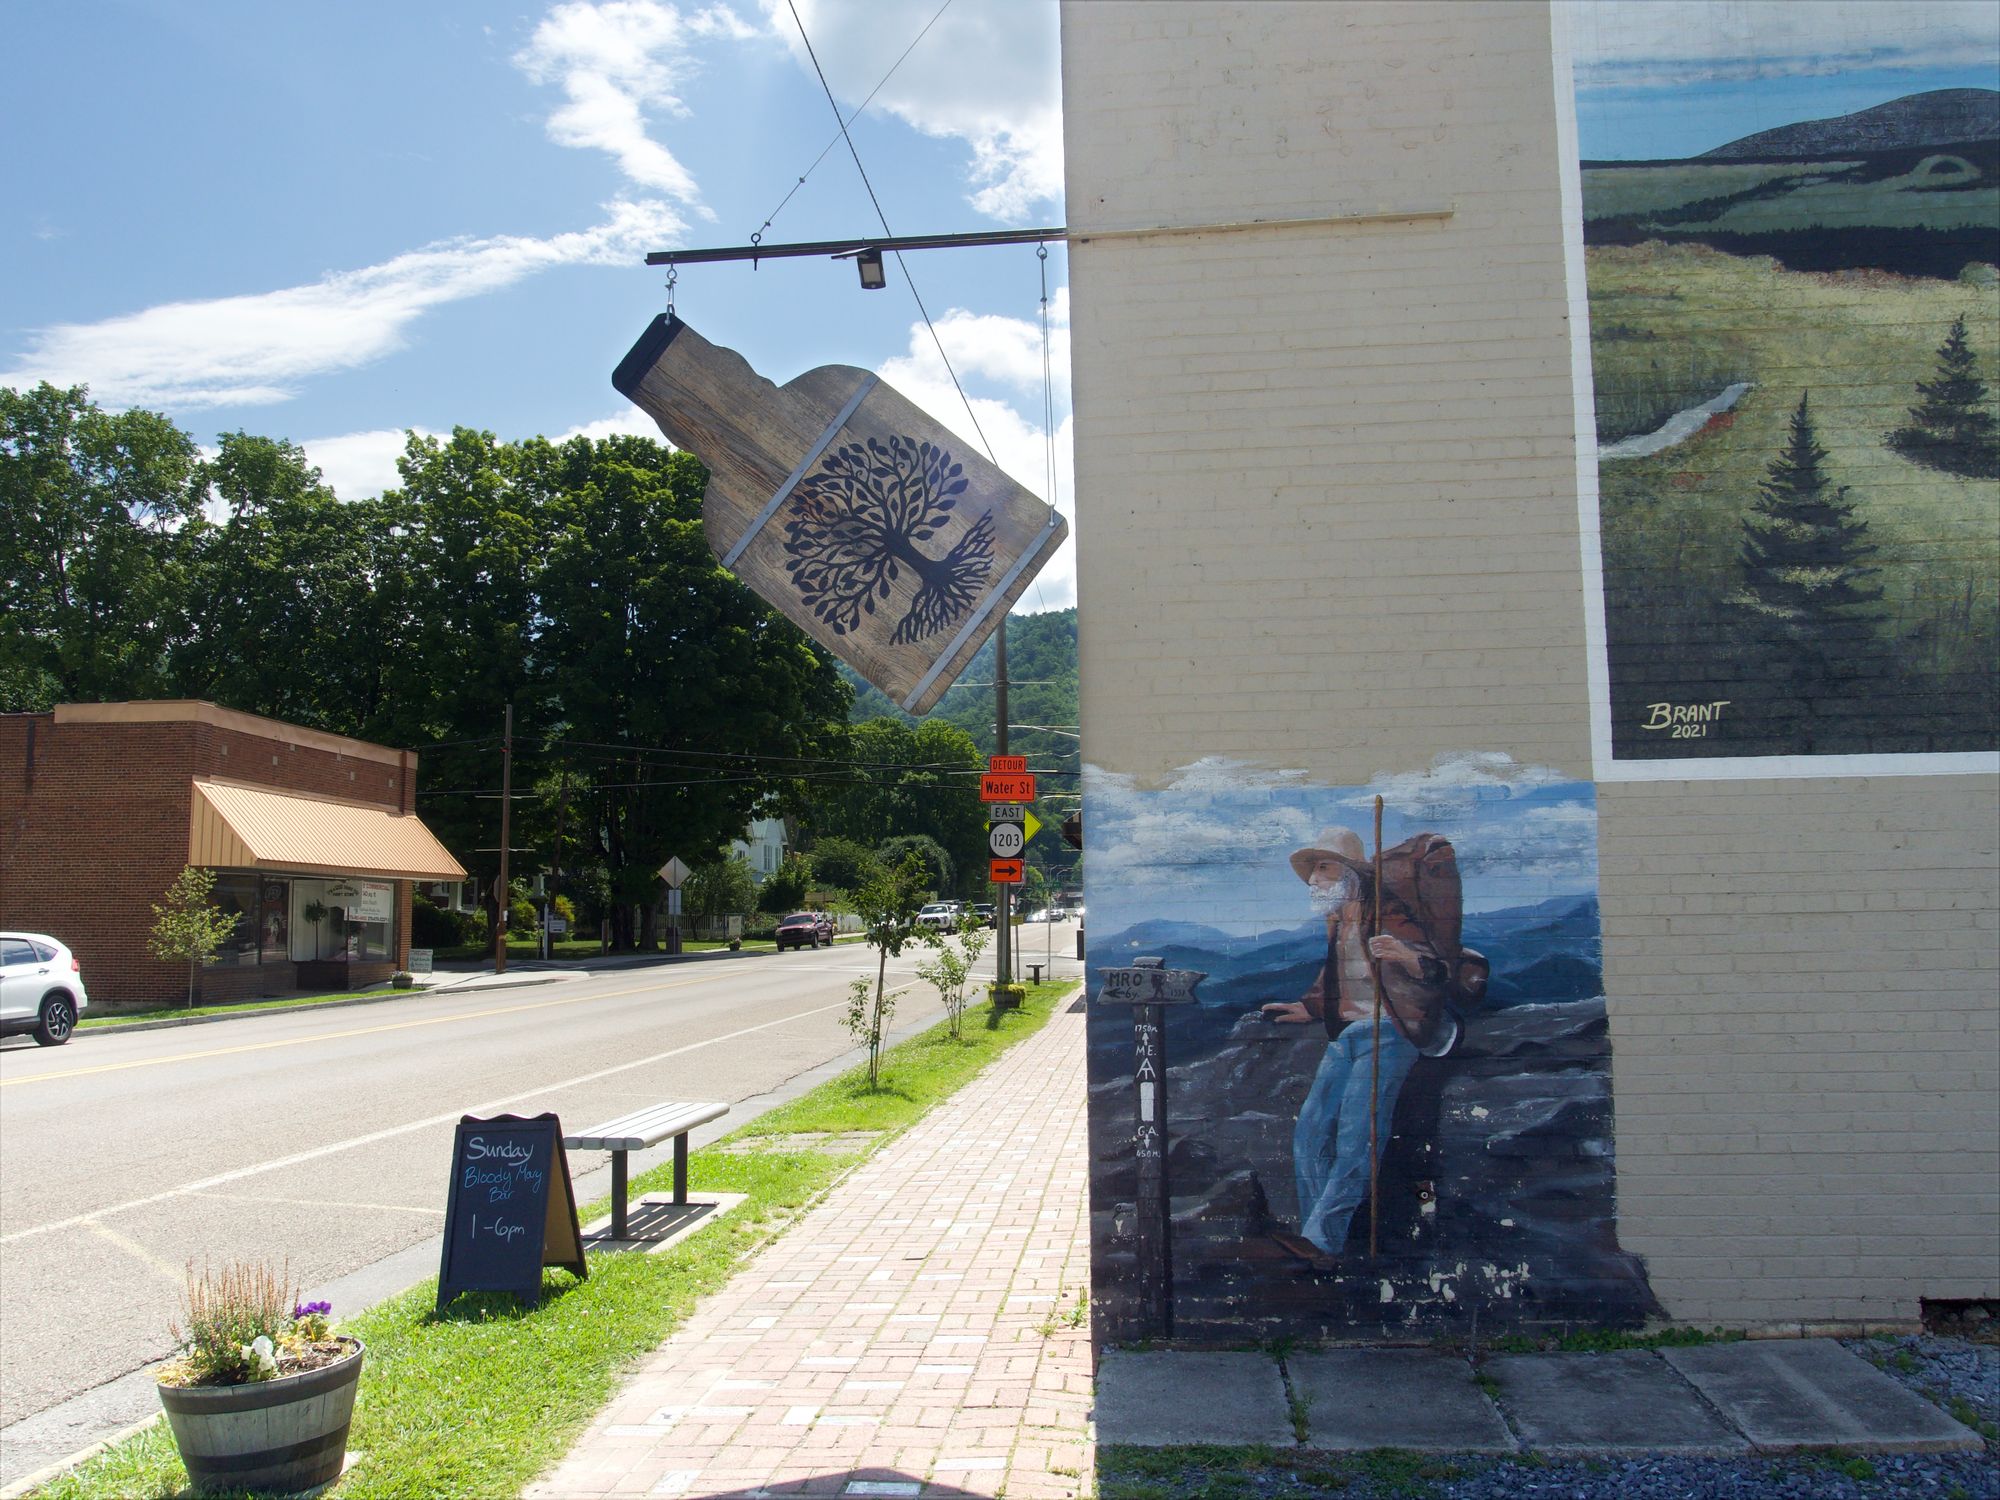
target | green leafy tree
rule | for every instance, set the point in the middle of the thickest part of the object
(927, 851)
(1806, 598)
(784, 889)
(921, 779)
(100, 515)
(887, 903)
(949, 965)
(1951, 427)
(187, 927)
(844, 864)
(724, 887)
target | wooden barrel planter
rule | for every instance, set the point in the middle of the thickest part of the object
(279, 1436)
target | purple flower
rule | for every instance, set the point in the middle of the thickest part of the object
(311, 1309)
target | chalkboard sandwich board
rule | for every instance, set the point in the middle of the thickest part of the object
(510, 1210)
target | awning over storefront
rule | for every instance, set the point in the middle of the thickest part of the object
(241, 827)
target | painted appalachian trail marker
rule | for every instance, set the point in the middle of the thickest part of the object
(884, 536)
(1148, 986)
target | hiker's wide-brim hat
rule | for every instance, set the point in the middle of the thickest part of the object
(1343, 844)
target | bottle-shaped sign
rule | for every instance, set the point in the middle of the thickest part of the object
(885, 537)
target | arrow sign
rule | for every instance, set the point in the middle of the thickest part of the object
(1149, 986)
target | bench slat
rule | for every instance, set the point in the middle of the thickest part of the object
(643, 1128)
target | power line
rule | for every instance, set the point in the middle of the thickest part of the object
(884, 218)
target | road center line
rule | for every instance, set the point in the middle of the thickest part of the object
(334, 1036)
(448, 1117)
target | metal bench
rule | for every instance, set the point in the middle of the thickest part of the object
(636, 1132)
(1035, 972)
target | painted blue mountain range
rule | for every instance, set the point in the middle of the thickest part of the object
(1542, 954)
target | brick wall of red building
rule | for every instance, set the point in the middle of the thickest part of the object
(94, 827)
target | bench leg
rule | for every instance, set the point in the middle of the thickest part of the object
(618, 1195)
(681, 1168)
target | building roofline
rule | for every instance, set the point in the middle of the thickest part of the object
(197, 711)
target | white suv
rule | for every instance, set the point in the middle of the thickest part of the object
(41, 987)
(941, 915)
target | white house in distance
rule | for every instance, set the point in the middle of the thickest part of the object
(763, 847)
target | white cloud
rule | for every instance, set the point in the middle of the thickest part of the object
(1456, 780)
(357, 465)
(1008, 351)
(255, 349)
(987, 74)
(628, 423)
(1671, 43)
(618, 64)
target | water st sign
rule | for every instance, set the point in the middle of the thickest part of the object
(1007, 786)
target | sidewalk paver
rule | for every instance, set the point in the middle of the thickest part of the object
(1626, 1401)
(1395, 1398)
(1811, 1393)
(1159, 1399)
(909, 1331)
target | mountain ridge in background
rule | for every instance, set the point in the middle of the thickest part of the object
(1938, 117)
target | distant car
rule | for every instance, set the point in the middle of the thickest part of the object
(986, 913)
(805, 929)
(41, 987)
(942, 915)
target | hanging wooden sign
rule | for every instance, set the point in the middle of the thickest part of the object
(510, 1209)
(884, 536)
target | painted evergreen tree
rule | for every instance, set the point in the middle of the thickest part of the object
(1950, 428)
(859, 519)
(1804, 558)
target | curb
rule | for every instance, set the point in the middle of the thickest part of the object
(126, 1028)
(49, 1473)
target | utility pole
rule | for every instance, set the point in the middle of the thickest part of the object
(1004, 907)
(506, 814)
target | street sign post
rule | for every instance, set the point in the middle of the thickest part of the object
(1148, 986)
(674, 873)
(1006, 840)
(1007, 786)
(1004, 871)
(1004, 763)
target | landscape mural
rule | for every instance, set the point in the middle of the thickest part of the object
(1791, 234)
(1496, 1204)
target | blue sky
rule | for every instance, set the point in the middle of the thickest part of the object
(332, 223)
(1214, 845)
(1675, 78)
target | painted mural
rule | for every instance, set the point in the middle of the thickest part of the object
(1791, 232)
(1490, 1200)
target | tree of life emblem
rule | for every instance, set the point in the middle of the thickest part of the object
(857, 524)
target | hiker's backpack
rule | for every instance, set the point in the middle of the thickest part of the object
(1420, 881)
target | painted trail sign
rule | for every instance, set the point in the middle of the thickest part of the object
(881, 534)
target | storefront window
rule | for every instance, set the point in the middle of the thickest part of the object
(274, 919)
(362, 918)
(235, 895)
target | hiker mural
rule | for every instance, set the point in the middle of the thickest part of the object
(1790, 240)
(1450, 971)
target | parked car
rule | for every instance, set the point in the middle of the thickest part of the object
(41, 987)
(805, 929)
(986, 913)
(942, 915)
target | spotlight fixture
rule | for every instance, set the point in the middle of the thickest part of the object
(873, 278)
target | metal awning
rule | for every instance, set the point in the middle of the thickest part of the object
(231, 826)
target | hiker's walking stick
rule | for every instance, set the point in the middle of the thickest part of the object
(1375, 1052)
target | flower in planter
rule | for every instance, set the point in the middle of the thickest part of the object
(234, 1328)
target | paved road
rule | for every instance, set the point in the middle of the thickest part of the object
(324, 1136)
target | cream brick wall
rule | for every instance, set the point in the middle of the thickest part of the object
(1328, 520)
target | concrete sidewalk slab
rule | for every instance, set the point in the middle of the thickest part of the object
(1588, 1405)
(1395, 1398)
(1160, 1399)
(1811, 1393)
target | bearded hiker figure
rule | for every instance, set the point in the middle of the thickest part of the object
(1403, 948)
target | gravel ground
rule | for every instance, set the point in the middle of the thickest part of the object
(1961, 1377)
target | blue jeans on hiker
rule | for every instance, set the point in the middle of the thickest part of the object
(1330, 1143)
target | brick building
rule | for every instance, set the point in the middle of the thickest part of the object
(312, 836)
(1469, 399)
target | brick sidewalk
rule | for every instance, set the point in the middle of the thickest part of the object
(907, 1337)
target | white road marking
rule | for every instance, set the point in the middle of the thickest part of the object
(447, 1118)
(137, 1251)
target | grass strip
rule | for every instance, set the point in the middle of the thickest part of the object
(477, 1403)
